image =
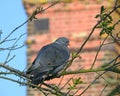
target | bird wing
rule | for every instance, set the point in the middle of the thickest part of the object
(49, 57)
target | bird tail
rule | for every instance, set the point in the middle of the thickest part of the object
(38, 78)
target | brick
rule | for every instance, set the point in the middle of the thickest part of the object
(73, 20)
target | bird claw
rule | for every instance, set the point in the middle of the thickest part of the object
(44, 76)
(50, 75)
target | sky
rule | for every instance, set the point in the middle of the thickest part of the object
(12, 14)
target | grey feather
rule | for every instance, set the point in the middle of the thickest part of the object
(50, 60)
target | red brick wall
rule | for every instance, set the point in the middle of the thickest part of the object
(75, 21)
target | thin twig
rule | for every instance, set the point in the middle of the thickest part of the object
(51, 87)
(97, 53)
(13, 70)
(6, 73)
(68, 81)
(60, 81)
(11, 48)
(91, 84)
(103, 78)
(86, 40)
(9, 53)
(110, 42)
(82, 71)
(47, 7)
(106, 70)
(24, 83)
(103, 90)
(30, 18)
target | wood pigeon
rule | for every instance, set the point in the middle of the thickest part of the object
(50, 61)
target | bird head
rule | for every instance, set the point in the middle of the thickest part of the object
(62, 41)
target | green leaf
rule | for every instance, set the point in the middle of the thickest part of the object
(104, 24)
(71, 86)
(102, 9)
(98, 15)
(111, 28)
(108, 31)
(110, 17)
(114, 69)
(99, 26)
(102, 32)
(115, 91)
(77, 81)
(73, 54)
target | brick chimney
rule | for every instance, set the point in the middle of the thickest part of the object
(73, 19)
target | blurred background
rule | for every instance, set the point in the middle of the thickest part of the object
(73, 19)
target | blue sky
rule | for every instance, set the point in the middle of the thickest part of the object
(12, 14)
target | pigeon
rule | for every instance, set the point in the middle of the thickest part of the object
(50, 61)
